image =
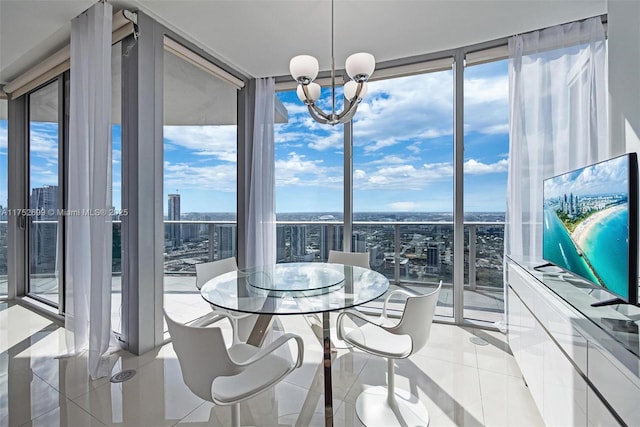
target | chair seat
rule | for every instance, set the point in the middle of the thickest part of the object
(376, 340)
(264, 373)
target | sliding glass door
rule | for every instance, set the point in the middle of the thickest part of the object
(44, 201)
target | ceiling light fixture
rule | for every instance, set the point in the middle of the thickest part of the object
(359, 67)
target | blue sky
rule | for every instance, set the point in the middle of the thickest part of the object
(402, 147)
(402, 151)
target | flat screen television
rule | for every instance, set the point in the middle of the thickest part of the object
(590, 225)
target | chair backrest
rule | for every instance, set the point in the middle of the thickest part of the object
(208, 270)
(417, 318)
(202, 355)
(359, 259)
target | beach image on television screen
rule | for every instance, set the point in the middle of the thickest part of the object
(586, 223)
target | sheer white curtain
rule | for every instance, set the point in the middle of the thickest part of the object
(558, 119)
(88, 265)
(261, 217)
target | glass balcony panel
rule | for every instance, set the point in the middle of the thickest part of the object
(484, 284)
(199, 241)
(307, 242)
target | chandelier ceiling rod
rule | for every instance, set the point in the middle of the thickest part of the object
(333, 68)
(359, 67)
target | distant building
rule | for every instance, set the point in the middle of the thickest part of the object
(174, 215)
(433, 262)
(376, 256)
(330, 238)
(281, 244)
(227, 240)
(298, 245)
(359, 241)
(189, 232)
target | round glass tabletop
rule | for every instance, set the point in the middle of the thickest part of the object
(294, 288)
(298, 278)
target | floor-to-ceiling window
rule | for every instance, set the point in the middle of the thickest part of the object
(486, 151)
(116, 187)
(4, 197)
(44, 204)
(403, 181)
(200, 179)
(309, 170)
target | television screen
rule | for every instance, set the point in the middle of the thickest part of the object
(590, 224)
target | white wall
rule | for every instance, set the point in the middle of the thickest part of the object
(624, 74)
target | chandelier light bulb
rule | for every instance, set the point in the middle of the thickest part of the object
(314, 93)
(304, 68)
(350, 89)
(360, 66)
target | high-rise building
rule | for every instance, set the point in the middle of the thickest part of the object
(376, 256)
(359, 241)
(227, 239)
(330, 238)
(174, 215)
(281, 244)
(433, 263)
(298, 238)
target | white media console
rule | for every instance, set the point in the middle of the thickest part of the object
(581, 363)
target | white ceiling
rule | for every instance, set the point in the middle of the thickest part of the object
(258, 37)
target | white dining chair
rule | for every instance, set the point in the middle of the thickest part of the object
(359, 259)
(206, 271)
(392, 340)
(229, 376)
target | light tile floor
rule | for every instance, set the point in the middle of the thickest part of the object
(462, 384)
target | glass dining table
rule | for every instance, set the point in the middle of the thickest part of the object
(296, 288)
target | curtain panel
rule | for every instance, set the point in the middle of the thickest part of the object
(261, 215)
(558, 120)
(89, 237)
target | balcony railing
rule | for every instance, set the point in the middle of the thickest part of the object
(405, 252)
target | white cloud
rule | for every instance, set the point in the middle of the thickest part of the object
(334, 140)
(402, 109)
(391, 159)
(403, 177)
(186, 176)
(43, 142)
(487, 104)
(3, 137)
(215, 141)
(405, 206)
(296, 169)
(486, 89)
(474, 167)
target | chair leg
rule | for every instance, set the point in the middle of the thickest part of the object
(387, 406)
(235, 415)
(234, 326)
(391, 384)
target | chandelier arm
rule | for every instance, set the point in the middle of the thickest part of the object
(348, 112)
(318, 115)
(350, 107)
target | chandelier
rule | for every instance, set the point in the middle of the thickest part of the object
(359, 67)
